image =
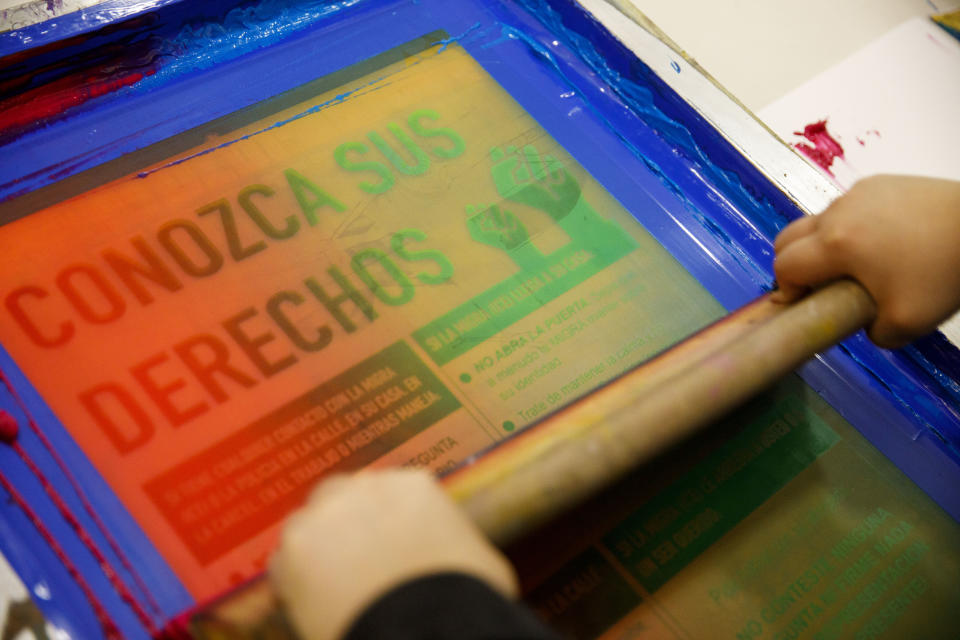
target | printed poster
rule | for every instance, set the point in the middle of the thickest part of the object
(399, 268)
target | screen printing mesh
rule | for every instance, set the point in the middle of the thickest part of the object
(404, 274)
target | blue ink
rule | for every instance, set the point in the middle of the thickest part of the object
(342, 97)
(77, 23)
(241, 31)
(444, 43)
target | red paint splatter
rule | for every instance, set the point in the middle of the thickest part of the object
(824, 148)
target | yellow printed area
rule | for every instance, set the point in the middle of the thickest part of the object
(402, 277)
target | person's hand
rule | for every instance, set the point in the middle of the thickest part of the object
(361, 535)
(898, 236)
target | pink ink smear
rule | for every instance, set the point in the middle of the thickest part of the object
(823, 150)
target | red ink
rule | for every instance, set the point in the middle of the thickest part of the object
(40, 105)
(9, 429)
(937, 42)
(87, 541)
(107, 625)
(179, 628)
(118, 585)
(824, 150)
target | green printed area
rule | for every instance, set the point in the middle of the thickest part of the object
(585, 598)
(229, 492)
(482, 317)
(778, 442)
(892, 611)
(872, 577)
(586, 377)
(526, 178)
(843, 587)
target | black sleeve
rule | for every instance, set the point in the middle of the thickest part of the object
(447, 606)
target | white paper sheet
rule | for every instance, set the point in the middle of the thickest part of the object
(894, 106)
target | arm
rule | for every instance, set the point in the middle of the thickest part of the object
(388, 554)
(451, 606)
(899, 236)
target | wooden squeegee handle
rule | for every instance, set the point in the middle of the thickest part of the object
(593, 442)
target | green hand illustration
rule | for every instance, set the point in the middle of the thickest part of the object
(500, 229)
(503, 230)
(526, 177)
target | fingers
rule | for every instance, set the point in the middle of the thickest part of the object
(897, 236)
(889, 335)
(788, 291)
(328, 487)
(794, 231)
(535, 162)
(804, 263)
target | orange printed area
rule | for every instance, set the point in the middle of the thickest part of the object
(231, 491)
(408, 274)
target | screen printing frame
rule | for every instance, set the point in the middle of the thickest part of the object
(886, 396)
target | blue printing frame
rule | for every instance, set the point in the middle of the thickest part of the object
(57, 29)
(706, 204)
